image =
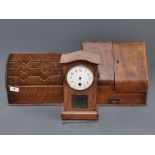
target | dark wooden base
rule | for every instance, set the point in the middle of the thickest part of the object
(79, 115)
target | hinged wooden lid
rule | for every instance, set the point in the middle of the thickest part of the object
(123, 64)
(80, 55)
(105, 51)
(130, 66)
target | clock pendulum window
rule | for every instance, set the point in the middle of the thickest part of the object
(80, 85)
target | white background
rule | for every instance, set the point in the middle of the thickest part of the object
(80, 9)
(23, 9)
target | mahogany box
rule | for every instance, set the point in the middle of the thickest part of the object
(36, 79)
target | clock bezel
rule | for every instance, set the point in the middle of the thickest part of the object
(77, 65)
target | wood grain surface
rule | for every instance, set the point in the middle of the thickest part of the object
(105, 51)
(130, 67)
(125, 99)
(36, 95)
(90, 92)
(79, 115)
(88, 113)
(38, 77)
(122, 74)
(36, 57)
(80, 55)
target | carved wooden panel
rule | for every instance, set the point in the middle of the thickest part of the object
(38, 77)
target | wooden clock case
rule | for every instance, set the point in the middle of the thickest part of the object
(122, 80)
(90, 112)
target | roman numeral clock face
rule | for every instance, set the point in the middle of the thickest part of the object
(80, 77)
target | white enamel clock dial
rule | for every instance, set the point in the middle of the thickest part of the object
(80, 77)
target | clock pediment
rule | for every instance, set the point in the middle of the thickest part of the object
(80, 55)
